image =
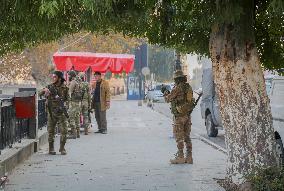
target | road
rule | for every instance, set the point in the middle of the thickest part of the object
(198, 125)
(133, 156)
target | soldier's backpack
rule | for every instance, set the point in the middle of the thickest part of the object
(85, 90)
(77, 94)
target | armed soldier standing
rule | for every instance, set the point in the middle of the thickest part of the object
(86, 102)
(182, 101)
(75, 93)
(57, 99)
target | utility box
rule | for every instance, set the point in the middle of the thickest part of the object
(25, 105)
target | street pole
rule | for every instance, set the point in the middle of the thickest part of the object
(178, 62)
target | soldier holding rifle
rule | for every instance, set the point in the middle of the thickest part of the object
(182, 104)
(57, 100)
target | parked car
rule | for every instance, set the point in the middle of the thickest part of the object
(209, 104)
(211, 114)
(276, 96)
(155, 94)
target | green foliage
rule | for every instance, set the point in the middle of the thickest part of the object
(182, 25)
(161, 63)
(269, 179)
(49, 8)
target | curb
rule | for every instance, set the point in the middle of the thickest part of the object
(19, 153)
(207, 141)
(203, 139)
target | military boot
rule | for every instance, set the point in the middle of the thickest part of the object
(179, 158)
(72, 135)
(51, 149)
(78, 133)
(188, 158)
(62, 148)
(86, 130)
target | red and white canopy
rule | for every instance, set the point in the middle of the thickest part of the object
(101, 62)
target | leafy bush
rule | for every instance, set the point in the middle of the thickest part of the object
(270, 179)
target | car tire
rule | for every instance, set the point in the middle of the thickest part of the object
(211, 129)
(280, 150)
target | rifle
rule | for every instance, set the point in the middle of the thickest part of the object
(195, 103)
(62, 107)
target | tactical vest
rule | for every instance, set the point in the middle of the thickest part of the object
(183, 103)
(85, 90)
(77, 94)
(56, 93)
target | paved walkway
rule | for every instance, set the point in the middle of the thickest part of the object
(133, 156)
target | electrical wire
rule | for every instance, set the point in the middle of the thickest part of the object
(74, 42)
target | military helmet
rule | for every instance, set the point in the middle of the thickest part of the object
(179, 74)
(72, 73)
(81, 74)
(59, 74)
(97, 73)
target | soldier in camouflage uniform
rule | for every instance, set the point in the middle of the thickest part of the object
(181, 99)
(75, 93)
(86, 102)
(56, 94)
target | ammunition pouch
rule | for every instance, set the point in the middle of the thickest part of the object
(184, 108)
(76, 97)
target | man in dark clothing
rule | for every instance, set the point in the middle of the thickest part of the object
(100, 101)
(97, 93)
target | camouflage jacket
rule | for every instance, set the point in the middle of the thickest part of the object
(56, 92)
(86, 92)
(75, 90)
(181, 99)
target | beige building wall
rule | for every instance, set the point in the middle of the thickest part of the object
(184, 65)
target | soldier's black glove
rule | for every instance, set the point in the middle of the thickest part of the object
(164, 89)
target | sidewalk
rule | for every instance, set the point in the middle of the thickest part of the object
(134, 155)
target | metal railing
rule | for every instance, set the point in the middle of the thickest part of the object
(22, 129)
(12, 129)
(7, 129)
(42, 113)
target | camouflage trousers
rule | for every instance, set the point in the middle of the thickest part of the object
(74, 116)
(181, 130)
(85, 114)
(61, 121)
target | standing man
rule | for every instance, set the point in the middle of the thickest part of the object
(86, 102)
(75, 93)
(57, 100)
(100, 102)
(181, 99)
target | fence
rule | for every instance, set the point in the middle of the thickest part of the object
(42, 114)
(7, 124)
(14, 130)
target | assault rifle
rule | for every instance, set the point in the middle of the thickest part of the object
(61, 107)
(195, 103)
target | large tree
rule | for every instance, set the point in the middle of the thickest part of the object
(241, 36)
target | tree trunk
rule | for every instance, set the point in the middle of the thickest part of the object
(244, 104)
